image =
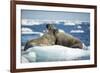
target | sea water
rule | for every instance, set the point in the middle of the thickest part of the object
(81, 31)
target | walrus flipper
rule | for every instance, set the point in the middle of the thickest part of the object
(77, 46)
(27, 46)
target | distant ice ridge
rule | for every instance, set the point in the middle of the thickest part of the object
(69, 23)
(55, 53)
(77, 31)
(30, 22)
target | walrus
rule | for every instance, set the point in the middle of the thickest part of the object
(54, 37)
(46, 39)
(64, 39)
(67, 40)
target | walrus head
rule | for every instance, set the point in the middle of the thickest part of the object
(50, 26)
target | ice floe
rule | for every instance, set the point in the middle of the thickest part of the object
(76, 31)
(55, 53)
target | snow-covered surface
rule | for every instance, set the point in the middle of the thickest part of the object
(54, 53)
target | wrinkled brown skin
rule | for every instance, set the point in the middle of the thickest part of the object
(46, 39)
(67, 40)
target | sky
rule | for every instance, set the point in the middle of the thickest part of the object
(54, 15)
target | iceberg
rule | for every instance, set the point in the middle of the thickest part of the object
(55, 53)
(26, 30)
(79, 27)
(72, 24)
(29, 31)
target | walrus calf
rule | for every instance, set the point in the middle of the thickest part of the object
(46, 39)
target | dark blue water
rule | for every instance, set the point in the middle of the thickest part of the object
(84, 37)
